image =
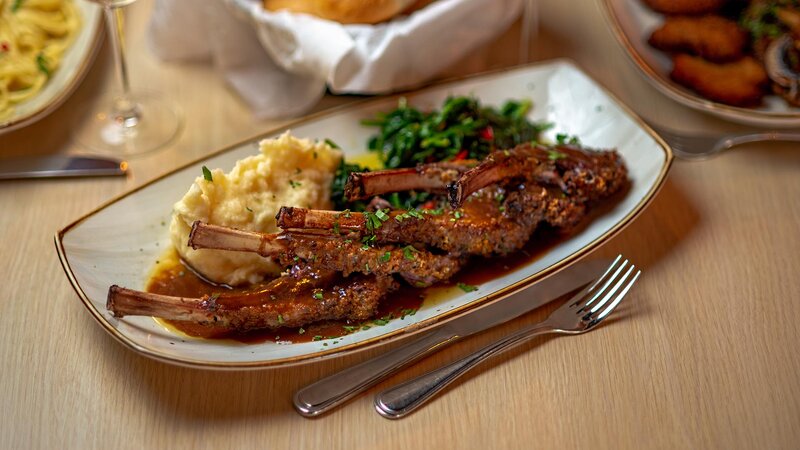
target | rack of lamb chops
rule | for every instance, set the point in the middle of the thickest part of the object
(341, 263)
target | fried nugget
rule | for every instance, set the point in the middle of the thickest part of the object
(687, 7)
(714, 38)
(738, 83)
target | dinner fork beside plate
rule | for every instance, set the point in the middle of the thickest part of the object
(703, 146)
(582, 313)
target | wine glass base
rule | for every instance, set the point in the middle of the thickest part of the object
(104, 132)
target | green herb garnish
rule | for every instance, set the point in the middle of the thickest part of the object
(16, 5)
(408, 252)
(554, 155)
(386, 257)
(295, 184)
(317, 295)
(467, 287)
(563, 138)
(41, 64)
(207, 174)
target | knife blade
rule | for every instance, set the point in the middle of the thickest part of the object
(331, 391)
(60, 166)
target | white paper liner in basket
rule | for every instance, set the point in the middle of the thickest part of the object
(304, 54)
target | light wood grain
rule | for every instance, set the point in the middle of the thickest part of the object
(702, 355)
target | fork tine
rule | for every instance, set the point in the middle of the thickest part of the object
(576, 299)
(622, 294)
(602, 290)
(613, 290)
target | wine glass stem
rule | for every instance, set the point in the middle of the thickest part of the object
(530, 28)
(126, 112)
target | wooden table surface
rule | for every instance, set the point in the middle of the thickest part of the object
(702, 355)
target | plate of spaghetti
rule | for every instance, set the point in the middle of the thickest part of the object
(46, 47)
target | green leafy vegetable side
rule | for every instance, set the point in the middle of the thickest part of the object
(462, 129)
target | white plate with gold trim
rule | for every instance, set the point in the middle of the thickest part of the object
(632, 23)
(77, 59)
(119, 242)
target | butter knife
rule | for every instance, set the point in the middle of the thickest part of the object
(60, 166)
(332, 391)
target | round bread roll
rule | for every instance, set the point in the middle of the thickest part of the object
(346, 11)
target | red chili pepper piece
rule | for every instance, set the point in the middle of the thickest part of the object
(461, 155)
(428, 205)
(487, 133)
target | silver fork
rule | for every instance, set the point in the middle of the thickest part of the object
(698, 146)
(580, 314)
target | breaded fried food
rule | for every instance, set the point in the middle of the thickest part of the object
(686, 7)
(738, 83)
(714, 38)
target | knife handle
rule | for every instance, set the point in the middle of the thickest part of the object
(335, 389)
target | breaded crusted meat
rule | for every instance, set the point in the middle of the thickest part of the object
(686, 7)
(714, 38)
(739, 83)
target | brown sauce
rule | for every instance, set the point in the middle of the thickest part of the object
(173, 277)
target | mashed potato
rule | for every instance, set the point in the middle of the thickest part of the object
(288, 172)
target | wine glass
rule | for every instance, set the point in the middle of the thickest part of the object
(131, 123)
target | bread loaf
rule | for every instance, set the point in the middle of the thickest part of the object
(347, 11)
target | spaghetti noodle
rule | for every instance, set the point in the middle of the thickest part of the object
(34, 35)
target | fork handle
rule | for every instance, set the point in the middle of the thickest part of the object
(781, 136)
(334, 390)
(404, 398)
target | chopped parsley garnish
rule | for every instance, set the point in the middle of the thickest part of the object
(317, 338)
(409, 214)
(317, 295)
(380, 322)
(301, 330)
(367, 241)
(407, 312)
(41, 64)
(408, 252)
(386, 257)
(563, 138)
(349, 328)
(247, 208)
(554, 155)
(375, 220)
(467, 287)
(207, 174)
(280, 319)
(295, 184)
(331, 143)
(16, 5)
(366, 267)
(435, 212)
